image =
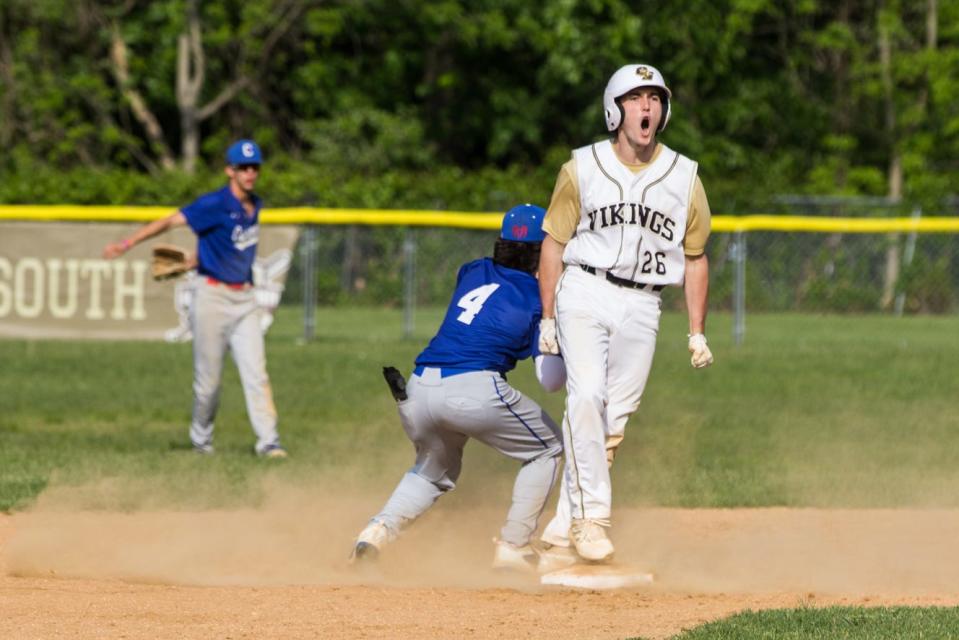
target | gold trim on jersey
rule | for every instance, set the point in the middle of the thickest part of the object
(622, 231)
(606, 173)
(642, 199)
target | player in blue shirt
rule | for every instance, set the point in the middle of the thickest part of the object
(458, 391)
(224, 315)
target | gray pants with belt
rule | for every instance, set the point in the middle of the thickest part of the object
(441, 414)
(222, 319)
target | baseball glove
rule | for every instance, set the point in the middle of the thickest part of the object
(169, 261)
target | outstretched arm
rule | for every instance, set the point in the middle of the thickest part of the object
(147, 231)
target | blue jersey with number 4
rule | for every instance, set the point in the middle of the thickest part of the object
(226, 235)
(492, 320)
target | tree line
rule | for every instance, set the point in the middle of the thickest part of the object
(471, 104)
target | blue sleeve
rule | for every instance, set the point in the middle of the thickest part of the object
(461, 272)
(202, 213)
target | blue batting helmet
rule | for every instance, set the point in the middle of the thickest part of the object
(524, 223)
(244, 152)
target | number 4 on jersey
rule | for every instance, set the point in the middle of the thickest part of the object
(472, 302)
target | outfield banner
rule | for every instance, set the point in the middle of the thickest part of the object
(54, 282)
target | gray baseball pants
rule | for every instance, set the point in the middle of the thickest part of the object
(225, 318)
(441, 414)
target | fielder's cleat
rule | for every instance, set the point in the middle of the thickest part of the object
(273, 451)
(203, 449)
(368, 544)
(364, 552)
(589, 538)
(554, 557)
(509, 557)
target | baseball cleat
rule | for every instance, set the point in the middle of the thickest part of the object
(509, 557)
(554, 557)
(368, 544)
(273, 451)
(364, 552)
(590, 539)
(203, 449)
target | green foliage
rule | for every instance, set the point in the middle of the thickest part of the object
(284, 183)
(369, 140)
(767, 97)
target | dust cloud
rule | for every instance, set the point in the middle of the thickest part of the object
(303, 536)
(298, 537)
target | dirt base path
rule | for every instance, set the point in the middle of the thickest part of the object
(282, 574)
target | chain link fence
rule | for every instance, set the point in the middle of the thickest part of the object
(400, 267)
(843, 273)
(359, 265)
(781, 271)
(811, 265)
(758, 271)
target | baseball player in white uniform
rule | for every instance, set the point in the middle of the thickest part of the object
(628, 216)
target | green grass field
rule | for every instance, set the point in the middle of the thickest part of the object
(833, 623)
(810, 411)
(852, 411)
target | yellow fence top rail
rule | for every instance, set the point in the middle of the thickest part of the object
(818, 224)
(477, 220)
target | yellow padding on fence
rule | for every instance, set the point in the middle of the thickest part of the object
(294, 215)
(477, 220)
(385, 217)
(814, 224)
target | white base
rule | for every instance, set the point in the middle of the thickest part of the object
(597, 576)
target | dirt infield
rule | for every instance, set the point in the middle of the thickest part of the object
(282, 573)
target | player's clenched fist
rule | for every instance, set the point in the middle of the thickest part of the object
(702, 356)
(547, 336)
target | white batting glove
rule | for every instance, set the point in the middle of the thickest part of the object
(702, 356)
(547, 336)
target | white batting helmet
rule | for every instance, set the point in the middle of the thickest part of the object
(627, 78)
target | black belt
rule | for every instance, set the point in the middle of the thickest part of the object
(623, 282)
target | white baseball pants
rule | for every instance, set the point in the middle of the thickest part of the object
(607, 335)
(222, 319)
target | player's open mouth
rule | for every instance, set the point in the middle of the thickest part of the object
(644, 124)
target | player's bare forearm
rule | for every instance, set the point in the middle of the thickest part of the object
(697, 292)
(550, 269)
(147, 231)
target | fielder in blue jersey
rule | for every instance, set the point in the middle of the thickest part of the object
(459, 391)
(224, 314)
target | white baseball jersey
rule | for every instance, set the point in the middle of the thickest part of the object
(632, 225)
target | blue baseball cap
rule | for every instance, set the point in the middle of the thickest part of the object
(244, 152)
(524, 223)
